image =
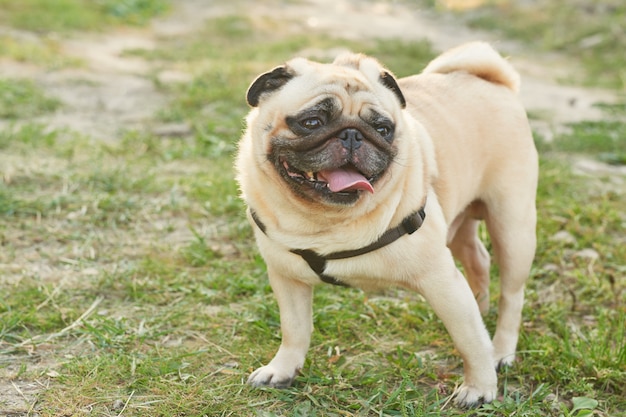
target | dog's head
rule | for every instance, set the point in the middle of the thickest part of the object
(328, 130)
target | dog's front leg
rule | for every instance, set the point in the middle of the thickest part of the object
(451, 298)
(295, 302)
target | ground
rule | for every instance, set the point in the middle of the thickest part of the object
(114, 90)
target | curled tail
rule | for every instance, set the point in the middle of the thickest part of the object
(479, 59)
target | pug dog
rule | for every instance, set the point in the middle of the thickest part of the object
(355, 178)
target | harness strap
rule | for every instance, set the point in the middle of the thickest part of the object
(318, 262)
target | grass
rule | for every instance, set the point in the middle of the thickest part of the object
(52, 20)
(130, 283)
(43, 52)
(22, 98)
(43, 16)
(605, 139)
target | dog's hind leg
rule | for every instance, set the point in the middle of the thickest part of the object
(511, 226)
(470, 251)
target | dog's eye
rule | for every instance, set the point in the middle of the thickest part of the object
(383, 130)
(312, 123)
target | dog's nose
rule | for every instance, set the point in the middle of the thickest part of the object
(351, 138)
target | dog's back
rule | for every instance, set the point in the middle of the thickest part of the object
(467, 101)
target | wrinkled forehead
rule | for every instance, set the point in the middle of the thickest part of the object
(348, 85)
(351, 73)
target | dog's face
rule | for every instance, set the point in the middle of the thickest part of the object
(328, 130)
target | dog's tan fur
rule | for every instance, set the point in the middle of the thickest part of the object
(464, 146)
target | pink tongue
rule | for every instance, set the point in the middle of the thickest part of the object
(345, 180)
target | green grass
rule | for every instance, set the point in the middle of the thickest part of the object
(45, 52)
(604, 140)
(51, 20)
(21, 98)
(130, 283)
(43, 16)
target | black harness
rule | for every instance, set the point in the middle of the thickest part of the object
(318, 262)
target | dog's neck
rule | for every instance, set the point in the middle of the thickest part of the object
(317, 262)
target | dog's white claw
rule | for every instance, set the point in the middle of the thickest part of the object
(503, 361)
(269, 376)
(469, 396)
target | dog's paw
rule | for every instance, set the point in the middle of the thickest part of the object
(468, 396)
(269, 376)
(503, 361)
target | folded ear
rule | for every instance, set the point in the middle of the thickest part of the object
(390, 82)
(268, 82)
